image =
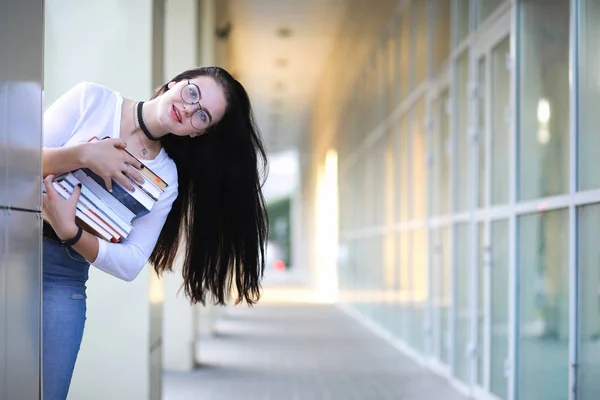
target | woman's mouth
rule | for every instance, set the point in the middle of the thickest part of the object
(176, 114)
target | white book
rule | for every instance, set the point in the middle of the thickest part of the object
(149, 188)
(103, 234)
(93, 202)
(99, 191)
(111, 225)
(101, 231)
(139, 194)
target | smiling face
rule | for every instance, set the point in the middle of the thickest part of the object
(191, 106)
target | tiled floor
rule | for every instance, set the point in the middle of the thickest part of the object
(302, 350)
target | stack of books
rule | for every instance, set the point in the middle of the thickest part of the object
(109, 215)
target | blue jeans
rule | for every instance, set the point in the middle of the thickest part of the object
(65, 275)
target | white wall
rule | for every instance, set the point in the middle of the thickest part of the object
(109, 43)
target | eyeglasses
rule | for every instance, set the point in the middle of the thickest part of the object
(191, 95)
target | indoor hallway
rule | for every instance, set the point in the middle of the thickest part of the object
(292, 346)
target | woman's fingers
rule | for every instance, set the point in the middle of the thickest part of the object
(129, 159)
(134, 174)
(122, 179)
(117, 142)
(75, 196)
(50, 191)
(107, 182)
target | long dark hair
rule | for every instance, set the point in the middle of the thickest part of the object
(219, 214)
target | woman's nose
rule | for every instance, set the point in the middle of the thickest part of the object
(191, 108)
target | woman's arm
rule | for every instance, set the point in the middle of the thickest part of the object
(60, 214)
(123, 260)
(106, 158)
(56, 161)
(87, 245)
(61, 120)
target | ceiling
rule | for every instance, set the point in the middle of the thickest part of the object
(279, 51)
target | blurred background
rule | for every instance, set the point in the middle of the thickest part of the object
(433, 204)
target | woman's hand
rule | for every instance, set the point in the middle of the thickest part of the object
(108, 159)
(60, 213)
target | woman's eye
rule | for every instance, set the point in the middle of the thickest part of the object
(193, 94)
(203, 116)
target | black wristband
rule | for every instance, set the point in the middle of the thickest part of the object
(71, 242)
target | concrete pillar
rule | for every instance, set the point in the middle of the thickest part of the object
(207, 17)
(21, 25)
(181, 47)
(205, 316)
(112, 43)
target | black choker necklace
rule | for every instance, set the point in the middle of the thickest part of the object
(142, 124)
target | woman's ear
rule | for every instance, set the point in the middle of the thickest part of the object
(171, 84)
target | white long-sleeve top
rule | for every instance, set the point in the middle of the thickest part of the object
(89, 110)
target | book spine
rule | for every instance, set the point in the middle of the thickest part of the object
(91, 198)
(148, 188)
(92, 227)
(153, 178)
(138, 194)
(80, 213)
(149, 174)
(120, 194)
(145, 171)
(104, 196)
(95, 212)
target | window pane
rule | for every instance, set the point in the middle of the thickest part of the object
(419, 182)
(419, 41)
(419, 289)
(485, 8)
(462, 135)
(380, 179)
(462, 291)
(481, 304)
(379, 106)
(398, 162)
(404, 164)
(441, 157)
(441, 292)
(462, 29)
(543, 359)
(437, 292)
(589, 100)
(500, 128)
(589, 301)
(389, 188)
(404, 42)
(368, 185)
(441, 29)
(544, 93)
(482, 171)
(446, 299)
(445, 132)
(499, 307)
(392, 77)
(405, 285)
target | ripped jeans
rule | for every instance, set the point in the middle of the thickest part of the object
(64, 309)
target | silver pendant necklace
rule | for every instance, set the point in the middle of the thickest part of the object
(144, 152)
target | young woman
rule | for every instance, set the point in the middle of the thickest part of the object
(197, 133)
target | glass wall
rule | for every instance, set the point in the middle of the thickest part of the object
(588, 340)
(499, 313)
(544, 98)
(472, 219)
(543, 305)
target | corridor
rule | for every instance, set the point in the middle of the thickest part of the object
(293, 347)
